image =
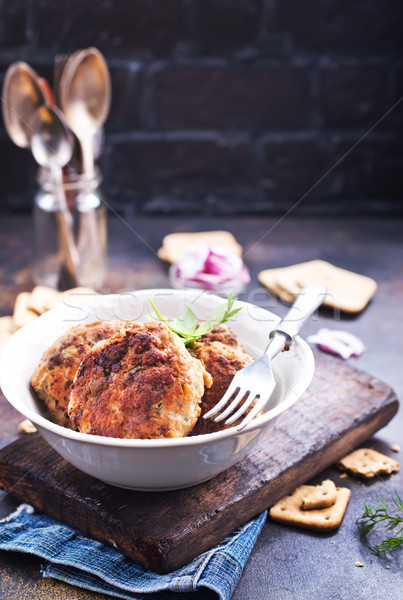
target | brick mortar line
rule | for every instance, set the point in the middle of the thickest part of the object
(122, 56)
(296, 135)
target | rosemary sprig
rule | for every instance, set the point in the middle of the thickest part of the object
(380, 512)
(188, 327)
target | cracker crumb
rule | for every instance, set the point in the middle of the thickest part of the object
(26, 427)
(332, 542)
(343, 475)
(358, 564)
(395, 448)
(387, 566)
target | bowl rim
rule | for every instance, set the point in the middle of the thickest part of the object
(100, 440)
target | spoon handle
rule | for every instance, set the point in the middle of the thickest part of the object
(308, 300)
(87, 153)
(89, 240)
(70, 258)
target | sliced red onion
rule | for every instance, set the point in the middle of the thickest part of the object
(338, 342)
(210, 266)
(356, 345)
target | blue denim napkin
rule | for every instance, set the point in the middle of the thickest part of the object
(84, 562)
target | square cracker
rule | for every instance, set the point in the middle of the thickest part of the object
(22, 314)
(26, 427)
(77, 291)
(269, 277)
(320, 496)
(346, 290)
(366, 462)
(174, 244)
(7, 325)
(289, 511)
(43, 299)
(28, 306)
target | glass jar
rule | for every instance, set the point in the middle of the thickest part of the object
(88, 211)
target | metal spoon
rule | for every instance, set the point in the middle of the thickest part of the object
(85, 97)
(60, 62)
(52, 147)
(21, 97)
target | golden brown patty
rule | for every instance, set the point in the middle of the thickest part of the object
(53, 377)
(222, 362)
(222, 334)
(141, 383)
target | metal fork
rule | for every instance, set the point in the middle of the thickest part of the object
(256, 381)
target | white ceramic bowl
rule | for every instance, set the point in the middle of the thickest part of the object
(151, 464)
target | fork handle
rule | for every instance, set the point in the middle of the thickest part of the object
(307, 301)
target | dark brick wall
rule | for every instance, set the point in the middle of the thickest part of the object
(230, 106)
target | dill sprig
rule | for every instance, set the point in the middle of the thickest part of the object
(390, 517)
(188, 327)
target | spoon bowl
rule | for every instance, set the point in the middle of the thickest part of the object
(51, 140)
(22, 96)
(85, 97)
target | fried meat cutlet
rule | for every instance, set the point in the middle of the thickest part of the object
(142, 383)
(223, 334)
(222, 362)
(54, 375)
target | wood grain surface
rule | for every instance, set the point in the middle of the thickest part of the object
(162, 531)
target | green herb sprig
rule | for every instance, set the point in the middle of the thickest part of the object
(391, 517)
(188, 327)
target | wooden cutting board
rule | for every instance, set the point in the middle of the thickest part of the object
(165, 530)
